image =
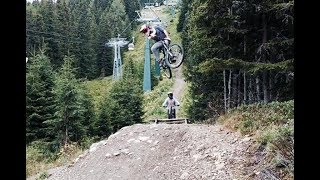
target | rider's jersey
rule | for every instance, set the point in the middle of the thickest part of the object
(170, 103)
(158, 33)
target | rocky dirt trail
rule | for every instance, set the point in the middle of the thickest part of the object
(162, 151)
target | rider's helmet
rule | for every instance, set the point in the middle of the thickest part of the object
(144, 28)
(170, 94)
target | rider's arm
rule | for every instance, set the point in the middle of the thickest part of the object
(153, 34)
(176, 102)
(167, 34)
(165, 103)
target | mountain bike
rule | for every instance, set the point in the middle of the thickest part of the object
(171, 113)
(172, 58)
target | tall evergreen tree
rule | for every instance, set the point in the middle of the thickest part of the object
(68, 125)
(131, 7)
(64, 26)
(103, 126)
(39, 98)
(123, 104)
(99, 6)
(118, 19)
(104, 54)
(50, 33)
(89, 115)
(185, 6)
(34, 29)
(85, 35)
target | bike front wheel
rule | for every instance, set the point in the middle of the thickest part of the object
(175, 58)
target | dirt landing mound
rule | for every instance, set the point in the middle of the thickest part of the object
(161, 151)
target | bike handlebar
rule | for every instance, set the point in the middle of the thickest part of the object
(172, 106)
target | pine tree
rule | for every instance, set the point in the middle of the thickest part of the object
(89, 115)
(64, 28)
(131, 7)
(68, 125)
(34, 28)
(103, 126)
(104, 54)
(118, 19)
(39, 98)
(85, 58)
(99, 6)
(123, 104)
(185, 4)
(48, 12)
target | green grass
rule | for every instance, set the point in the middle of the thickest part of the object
(249, 118)
(272, 126)
(38, 160)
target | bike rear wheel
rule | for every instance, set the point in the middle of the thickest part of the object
(176, 59)
(171, 113)
(167, 71)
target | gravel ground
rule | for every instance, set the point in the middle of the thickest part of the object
(162, 151)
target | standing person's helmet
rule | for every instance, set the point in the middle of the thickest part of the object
(144, 28)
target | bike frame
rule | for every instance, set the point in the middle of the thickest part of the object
(171, 113)
(166, 51)
(171, 57)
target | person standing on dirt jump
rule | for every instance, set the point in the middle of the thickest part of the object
(170, 103)
(158, 34)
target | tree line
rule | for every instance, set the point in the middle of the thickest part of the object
(80, 28)
(60, 110)
(237, 52)
(65, 46)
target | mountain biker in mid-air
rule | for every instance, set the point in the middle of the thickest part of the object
(170, 103)
(158, 34)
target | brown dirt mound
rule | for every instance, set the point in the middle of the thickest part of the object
(162, 151)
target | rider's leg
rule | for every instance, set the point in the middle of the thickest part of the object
(155, 50)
